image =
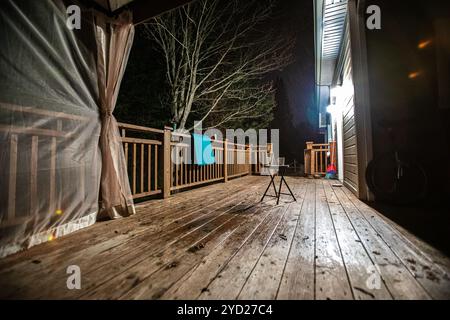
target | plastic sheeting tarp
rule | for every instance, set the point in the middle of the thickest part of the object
(55, 94)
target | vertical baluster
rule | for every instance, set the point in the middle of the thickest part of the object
(185, 166)
(224, 162)
(208, 172)
(156, 167)
(149, 167)
(167, 163)
(126, 148)
(235, 162)
(12, 176)
(171, 166)
(177, 159)
(53, 146)
(33, 175)
(142, 169)
(134, 169)
(215, 164)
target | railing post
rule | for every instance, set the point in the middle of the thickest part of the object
(257, 159)
(312, 158)
(166, 162)
(333, 152)
(269, 148)
(307, 158)
(12, 176)
(124, 134)
(249, 159)
(225, 160)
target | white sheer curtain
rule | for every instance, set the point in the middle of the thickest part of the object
(57, 94)
(114, 40)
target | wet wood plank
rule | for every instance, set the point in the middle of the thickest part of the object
(332, 282)
(177, 266)
(264, 281)
(392, 271)
(229, 282)
(432, 280)
(265, 278)
(220, 242)
(198, 278)
(298, 277)
(359, 265)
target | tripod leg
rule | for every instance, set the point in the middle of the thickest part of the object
(274, 188)
(289, 189)
(279, 190)
(271, 182)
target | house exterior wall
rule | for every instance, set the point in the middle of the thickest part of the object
(350, 149)
(344, 118)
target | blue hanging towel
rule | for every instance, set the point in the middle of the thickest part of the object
(203, 150)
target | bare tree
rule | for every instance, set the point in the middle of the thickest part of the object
(217, 54)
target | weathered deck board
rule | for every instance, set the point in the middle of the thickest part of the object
(430, 276)
(148, 245)
(109, 230)
(220, 242)
(158, 283)
(147, 276)
(358, 262)
(229, 282)
(331, 275)
(394, 274)
(298, 276)
(265, 278)
(93, 259)
(264, 281)
(193, 282)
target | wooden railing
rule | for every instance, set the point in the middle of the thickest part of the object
(317, 158)
(143, 150)
(153, 171)
(147, 153)
(32, 158)
(185, 174)
(46, 173)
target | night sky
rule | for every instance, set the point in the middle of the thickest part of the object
(296, 114)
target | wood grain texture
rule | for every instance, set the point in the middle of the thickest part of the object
(220, 242)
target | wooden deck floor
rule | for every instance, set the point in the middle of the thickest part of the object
(220, 242)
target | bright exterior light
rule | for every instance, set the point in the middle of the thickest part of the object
(413, 75)
(330, 109)
(424, 44)
(335, 110)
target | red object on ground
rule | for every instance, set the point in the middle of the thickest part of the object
(331, 168)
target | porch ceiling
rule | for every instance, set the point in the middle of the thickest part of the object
(142, 9)
(330, 17)
(112, 5)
